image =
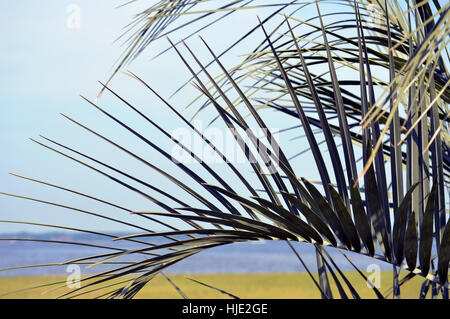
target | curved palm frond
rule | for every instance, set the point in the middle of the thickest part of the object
(298, 74)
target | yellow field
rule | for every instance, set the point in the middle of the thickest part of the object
(272, 286)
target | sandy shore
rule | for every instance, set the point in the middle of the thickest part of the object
(288, 285)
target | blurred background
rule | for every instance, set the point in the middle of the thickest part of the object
(53, 51)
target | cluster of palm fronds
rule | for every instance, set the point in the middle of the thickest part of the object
(375, 88)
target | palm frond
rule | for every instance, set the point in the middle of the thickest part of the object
(388, 64)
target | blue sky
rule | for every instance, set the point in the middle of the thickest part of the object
(45, 66)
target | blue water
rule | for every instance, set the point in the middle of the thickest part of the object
(247, 257)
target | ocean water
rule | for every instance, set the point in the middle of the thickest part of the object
(246, 257)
